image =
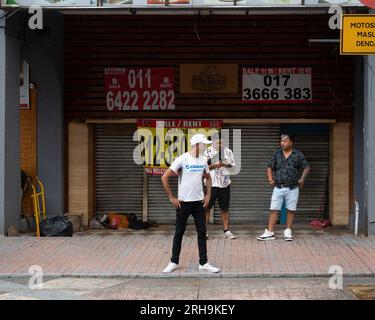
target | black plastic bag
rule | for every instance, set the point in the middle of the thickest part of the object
(136, 224)
(58, 226)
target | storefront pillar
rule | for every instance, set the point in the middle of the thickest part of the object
(10, 178)
(369, 143)
(340, 174)
(81, 162)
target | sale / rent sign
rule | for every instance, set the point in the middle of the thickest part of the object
(276, 85)
(357, 34)
(161, 141)
(139, 89)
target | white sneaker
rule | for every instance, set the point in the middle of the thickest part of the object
(267, 235)
(170, 267)
(208, 267)
(288, 236)
(229, 235)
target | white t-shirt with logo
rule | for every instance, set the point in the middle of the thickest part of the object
(190, 171)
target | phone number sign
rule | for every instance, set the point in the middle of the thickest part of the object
(277, 85)
(139, 89)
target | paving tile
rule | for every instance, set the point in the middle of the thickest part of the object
(129, 253)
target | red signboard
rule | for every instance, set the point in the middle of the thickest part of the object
(139, 89)
(180, 123)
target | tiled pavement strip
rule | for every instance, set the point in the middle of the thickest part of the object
(144, 253)
(177, 289)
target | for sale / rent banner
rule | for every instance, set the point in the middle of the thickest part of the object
(276, 85)
(139, 89)
(161, 141)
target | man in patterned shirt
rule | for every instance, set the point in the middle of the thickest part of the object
(284, 175)
(219, 159)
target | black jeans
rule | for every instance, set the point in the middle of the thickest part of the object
(198, 212)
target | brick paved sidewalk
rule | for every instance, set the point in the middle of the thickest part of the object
(144, 253)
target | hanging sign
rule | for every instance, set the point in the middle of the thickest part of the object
(276, 85)
(358, 34)
(139, 89)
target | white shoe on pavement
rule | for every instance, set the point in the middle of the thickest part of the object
(208, 267)
(288, 236)
(229, 234)
(170, 267)
(267, 235)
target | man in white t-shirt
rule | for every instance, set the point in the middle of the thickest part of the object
(190, 167)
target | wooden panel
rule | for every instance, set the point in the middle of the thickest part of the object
(28, 147)
(91, 171)
(95, 42)
(340, 174)
(80, 179)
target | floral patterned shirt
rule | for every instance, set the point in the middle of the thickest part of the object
(287, 171)
(221, 176)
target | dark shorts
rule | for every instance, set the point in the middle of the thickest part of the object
(223, 195)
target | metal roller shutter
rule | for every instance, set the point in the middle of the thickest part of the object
(118, 179)
(159, 207)
(250, 192)
(316, 150)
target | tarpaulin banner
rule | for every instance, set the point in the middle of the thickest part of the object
(161, 141)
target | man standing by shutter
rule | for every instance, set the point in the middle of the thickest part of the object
(220, 158)
(284, 175)
(190, 167)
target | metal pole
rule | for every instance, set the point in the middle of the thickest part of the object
(356, 219)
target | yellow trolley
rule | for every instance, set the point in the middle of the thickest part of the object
(38, 202)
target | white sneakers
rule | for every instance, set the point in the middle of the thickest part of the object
(208, 267)
(268, 235)
(288, 235)
(170, 267)
(229, 234)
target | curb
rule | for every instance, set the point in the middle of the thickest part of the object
(225, 275)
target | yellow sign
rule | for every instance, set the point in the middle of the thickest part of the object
(161, 141)
(357, 34)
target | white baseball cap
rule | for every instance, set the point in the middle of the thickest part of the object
(199, 138)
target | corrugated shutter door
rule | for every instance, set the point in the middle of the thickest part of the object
(312, 197)
(118, 178)
(250, 193)
(160, 208)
